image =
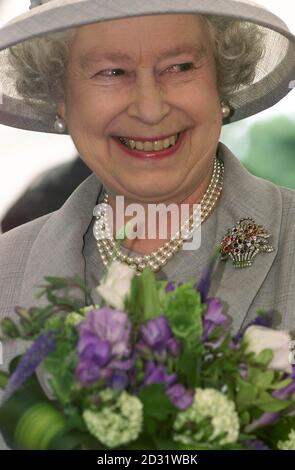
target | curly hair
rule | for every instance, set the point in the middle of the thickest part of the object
(238, 48)
(39, 65)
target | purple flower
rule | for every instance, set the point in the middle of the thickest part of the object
(156, 373)
(286, 392)
(180, 396)
(42, 346)
(103, 345)
(265, 319)
(256, 445)
(214, 317)
(87, 372)
(170, 287)
(266, 419)
(119, 380)
(157, 336)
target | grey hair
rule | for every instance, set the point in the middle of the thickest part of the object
(238, 48)
(39, 68)
(40, 64)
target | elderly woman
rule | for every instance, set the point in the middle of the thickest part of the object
(143, 89)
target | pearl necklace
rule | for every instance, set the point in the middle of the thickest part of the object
(108, 248)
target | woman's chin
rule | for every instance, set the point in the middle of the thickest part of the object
(138, 189)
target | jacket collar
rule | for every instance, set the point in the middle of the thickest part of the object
(57, 250)
(245, 195)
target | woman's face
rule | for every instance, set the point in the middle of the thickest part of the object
(125, 79)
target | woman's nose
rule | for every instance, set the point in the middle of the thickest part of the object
(147, 100)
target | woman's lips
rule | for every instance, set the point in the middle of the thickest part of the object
(152, 155)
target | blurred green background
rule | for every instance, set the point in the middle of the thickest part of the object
(266, 148)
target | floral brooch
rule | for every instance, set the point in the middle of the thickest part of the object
(244, 241)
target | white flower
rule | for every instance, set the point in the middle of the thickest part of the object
(73, 319)
(89, 308)
(208, 403)
(289, 444)
(118, 423)
(259, 338)
(117, 284)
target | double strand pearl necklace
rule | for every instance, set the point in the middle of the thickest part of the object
(108, 248)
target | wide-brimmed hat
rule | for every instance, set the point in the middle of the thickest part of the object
(275, 72)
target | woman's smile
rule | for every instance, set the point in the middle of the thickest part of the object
(151, 150)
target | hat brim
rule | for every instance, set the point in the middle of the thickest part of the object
(57, 15)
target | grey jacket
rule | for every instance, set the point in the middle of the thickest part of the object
(53, 244)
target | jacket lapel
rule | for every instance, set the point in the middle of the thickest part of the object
(244, 195)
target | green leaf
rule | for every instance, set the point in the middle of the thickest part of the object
(189, 364)
(166, 443)
(279, 432)
(282, 384)
(71, 304)
(268, 403)
(156, 404)
(9, 328)
(3, 379)
(61, 365)
(58, 282)
(184, 310)
(262, 380)
(142, 303)
(149, 292)
(264, 357)
(247, 393)
(245, 418)
(13, 409)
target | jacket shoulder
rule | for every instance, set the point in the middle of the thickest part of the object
(15, 247)
(288, 200)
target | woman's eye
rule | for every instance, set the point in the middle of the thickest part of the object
(110, 72)
(184, 67)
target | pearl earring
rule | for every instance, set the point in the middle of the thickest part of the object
(225, 109)
(59, 125)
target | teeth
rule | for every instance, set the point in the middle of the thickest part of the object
(150, 146)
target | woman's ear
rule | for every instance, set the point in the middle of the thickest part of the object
(61, 109)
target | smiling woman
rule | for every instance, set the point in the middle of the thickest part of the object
(144, 95)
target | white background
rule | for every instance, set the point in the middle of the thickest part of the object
(24, 154)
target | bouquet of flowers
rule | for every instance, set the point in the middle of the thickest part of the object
(154, 366)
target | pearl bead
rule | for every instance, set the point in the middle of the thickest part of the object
(162, 262)
(59, 126)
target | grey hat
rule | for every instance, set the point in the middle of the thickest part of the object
(275, 73)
